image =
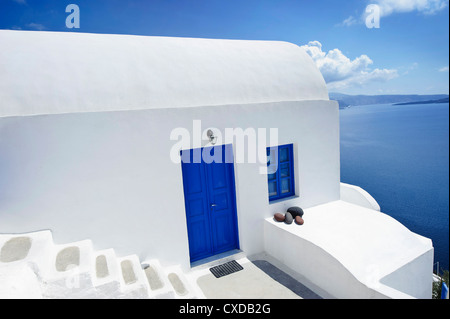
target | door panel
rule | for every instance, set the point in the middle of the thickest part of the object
(197, 210)
(211, 204)
(223, 234)
(221, 195)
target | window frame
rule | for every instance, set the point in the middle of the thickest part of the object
(278, 178)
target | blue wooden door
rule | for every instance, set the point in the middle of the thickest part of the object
(210, 200)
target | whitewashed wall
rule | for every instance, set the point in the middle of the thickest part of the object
(108, 176)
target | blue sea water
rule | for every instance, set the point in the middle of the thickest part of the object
(400, 155)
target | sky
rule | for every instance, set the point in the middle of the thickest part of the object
(407, 53)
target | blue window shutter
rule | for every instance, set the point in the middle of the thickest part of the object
(280, 172)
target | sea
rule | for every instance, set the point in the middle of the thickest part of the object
(400, 155)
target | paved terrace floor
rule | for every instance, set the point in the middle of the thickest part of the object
(260, 279)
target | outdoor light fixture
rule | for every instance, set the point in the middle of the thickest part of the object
(212, 138)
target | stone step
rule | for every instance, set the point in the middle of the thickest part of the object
(33, 249)
(106, 274)
(75, 270)
(133, 282)
(160, 287)
(70, 276)
(180, 284)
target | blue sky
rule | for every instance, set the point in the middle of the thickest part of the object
(408, 54)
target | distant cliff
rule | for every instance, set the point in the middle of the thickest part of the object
(353, 100)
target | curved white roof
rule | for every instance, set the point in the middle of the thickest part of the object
(64, 72)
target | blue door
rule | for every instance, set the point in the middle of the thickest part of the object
(210, 199)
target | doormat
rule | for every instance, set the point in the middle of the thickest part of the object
(226, 269)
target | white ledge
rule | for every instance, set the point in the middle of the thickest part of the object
(358, 196)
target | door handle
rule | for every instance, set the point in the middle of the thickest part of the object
(213, 205)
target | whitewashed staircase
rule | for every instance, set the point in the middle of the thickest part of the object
(32, 266)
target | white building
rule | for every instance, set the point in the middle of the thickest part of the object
(88, 137)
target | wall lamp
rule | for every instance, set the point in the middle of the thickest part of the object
(212, 137)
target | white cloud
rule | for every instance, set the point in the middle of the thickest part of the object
(444, 69)
(20, 1)
(341, 72)
(36, 26)
(389, 7)
(351, 20)
(412, 67)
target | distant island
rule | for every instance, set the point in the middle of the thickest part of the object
(445, 100)
(345, 100)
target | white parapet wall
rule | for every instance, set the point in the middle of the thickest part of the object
(353, 252)
(358, 196)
